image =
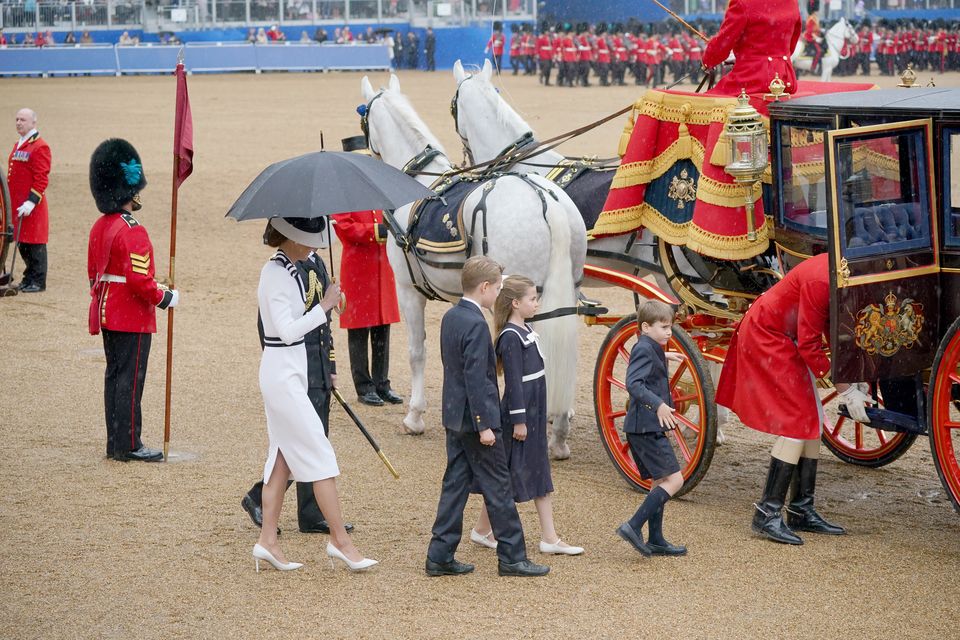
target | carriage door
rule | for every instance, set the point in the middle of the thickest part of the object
(883, 250)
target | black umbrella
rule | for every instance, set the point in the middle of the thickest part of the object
(323, 183)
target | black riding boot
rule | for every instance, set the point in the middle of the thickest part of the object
(767, 520)
(800, 513)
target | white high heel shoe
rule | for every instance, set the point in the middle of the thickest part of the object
(483, 541)
(360, 565)
(260, 553)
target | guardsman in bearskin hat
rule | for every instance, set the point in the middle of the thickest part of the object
(813, 36)
(569, 57)
(585, 48)
(603, 55)
(125, 295)
(495, 44)
(515, 56)
(528, 47)
(545, 52)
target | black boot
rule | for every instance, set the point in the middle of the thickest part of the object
(767, 521)
(800, 514)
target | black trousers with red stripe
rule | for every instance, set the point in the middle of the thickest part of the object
(127, 355)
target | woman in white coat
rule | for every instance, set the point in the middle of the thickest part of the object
(298, 447)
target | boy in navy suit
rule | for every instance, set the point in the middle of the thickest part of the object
(649, 416)
(471, 417)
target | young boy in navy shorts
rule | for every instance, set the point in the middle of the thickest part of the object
(649, 417)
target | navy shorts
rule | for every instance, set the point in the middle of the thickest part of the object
(653, 454)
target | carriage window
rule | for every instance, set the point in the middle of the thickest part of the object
(882, 193)
(951, 186)
(803, 192)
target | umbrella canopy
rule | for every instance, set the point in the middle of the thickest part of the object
(324, 183)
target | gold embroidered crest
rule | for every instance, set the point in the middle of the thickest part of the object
(682, 189)
(886, 329)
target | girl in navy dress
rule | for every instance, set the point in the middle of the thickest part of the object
(523, 413)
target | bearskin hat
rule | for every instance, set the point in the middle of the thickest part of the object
(116, 174)
(601, 28)
(813, 5)
(497, 25)
(514, 27)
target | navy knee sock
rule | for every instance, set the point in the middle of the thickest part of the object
(656, 528)
(654, 503)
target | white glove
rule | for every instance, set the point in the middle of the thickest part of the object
(176, 299)
(856, 401)
(26, 208)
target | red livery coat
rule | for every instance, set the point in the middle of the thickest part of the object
(766, 376)
(366, 276)
(119, 248)
(762, 34)
(28, 172)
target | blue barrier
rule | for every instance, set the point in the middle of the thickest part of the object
(198, 57)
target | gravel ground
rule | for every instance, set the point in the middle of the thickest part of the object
(99, 549)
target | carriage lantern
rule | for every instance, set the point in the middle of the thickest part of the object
(747, 138)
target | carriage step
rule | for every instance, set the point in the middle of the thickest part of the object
(585, 301)
(886, 420)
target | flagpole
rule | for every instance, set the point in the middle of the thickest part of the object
(172, 281)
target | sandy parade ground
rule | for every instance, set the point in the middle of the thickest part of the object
(99, 549)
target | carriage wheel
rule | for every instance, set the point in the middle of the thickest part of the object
(692, 390)
(944, 412)
(6, 222)
(859, 443)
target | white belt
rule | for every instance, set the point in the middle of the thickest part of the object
(533, 376)
(109, 277)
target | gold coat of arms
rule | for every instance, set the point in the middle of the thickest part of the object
(682, 189)
(888, 328)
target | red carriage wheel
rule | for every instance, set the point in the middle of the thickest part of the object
(858, 443)
(944, 412)
(692, 390)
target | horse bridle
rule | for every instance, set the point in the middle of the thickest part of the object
(522, 142)
(365, 122)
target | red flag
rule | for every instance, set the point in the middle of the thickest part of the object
(183, 129)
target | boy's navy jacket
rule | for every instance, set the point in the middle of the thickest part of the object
(471, 399)
(648, 386)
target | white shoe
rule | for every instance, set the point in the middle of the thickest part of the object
(260, 553)
(483, 541)
(560, 548)
(360, 565)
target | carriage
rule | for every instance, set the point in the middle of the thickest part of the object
(872, 178)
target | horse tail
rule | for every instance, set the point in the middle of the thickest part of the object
(559, 335)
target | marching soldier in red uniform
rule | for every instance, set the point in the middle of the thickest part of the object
(28, 172)
(783, 332)
(585, 49)
(603, 55)
(495, 44)
(865, 46)
(545, 53)
(371, 298)
(569, 56)
(515, 56)
(620, 55)
(762, 34)
(528, 48)
(125, 295)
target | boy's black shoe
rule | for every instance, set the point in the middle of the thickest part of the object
(321, 526)
(523, 569)
(390, 397)
(372, 399)
(452, 568)
(667, 549)
(626, 532)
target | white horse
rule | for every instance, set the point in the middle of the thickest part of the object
(835, 37)
(487, 125)
(527, 231)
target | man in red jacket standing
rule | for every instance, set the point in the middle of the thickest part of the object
(125, 295)
(371, 298)
(28, 173)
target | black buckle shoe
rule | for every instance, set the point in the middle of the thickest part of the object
(667, 549)
(391, 397)
(522, 569)
(143, 454)
(626, 532)
(807, 519)
(452, 568)
(371, 399)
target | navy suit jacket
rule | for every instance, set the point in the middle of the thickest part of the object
(648, 385)
(471, 399)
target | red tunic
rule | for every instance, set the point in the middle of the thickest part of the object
(514, 45)
(123, 246)
(569, 52)
(586, 50)
(763, 35)
(528, 45)
(366, 276)
(495, 43)
(603, 50)
(544, 47)
(766, 376)
(811, 30)
(28, 172)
